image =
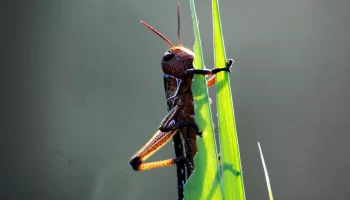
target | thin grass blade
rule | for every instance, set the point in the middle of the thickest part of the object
(267, 178)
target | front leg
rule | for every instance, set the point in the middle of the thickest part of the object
(211, 71)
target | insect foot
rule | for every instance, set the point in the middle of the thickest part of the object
(135, 162)
(229, 63)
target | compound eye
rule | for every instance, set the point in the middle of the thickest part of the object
(167, 56)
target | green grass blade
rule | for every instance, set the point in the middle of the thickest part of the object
(267, 178)
(205, 181)
(230, 156)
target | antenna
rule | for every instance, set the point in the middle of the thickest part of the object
(158, 33)
(178, 23)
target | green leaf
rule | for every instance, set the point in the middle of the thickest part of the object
(205, 181)
(230, 156)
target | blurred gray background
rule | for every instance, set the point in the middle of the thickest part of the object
(82, 92)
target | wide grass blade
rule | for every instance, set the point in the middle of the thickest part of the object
(229, 149)
(205, 181)
(267, 178)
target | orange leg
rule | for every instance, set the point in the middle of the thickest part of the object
(210, 81)
(159, 164)
(158, 140)
(165, 132)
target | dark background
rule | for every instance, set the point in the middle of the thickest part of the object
(82, 91)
